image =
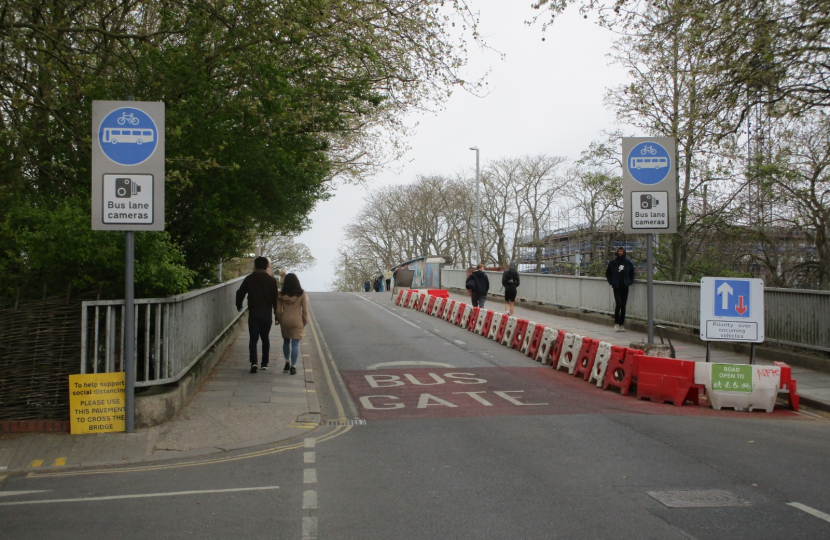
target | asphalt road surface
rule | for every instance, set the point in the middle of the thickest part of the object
(433, 432)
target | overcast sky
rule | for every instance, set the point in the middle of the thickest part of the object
(545, 98)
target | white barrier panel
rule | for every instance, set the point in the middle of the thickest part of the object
(743, 387)
(465, 318)
(548, 340)
(494, 328)
(600, 363)
(399, 297)
(482, 314)
(507, 338)
(570, 352)
(531, 327)
(425, 303)
(436, 307)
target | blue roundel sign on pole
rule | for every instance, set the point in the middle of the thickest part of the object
(128, 136)
(649, 163)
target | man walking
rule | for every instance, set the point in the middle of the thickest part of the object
(620, 275)
(261, 289)
(478, 284)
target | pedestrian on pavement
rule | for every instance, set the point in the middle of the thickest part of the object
(620, 275)
(292, 316)
(380, 283)
(376, 285)
(261, 289)
(367, 286)
(478, 284)
(510, 282)
(387, 275)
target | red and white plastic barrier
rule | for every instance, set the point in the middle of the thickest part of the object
(600, 363)
(546, 345)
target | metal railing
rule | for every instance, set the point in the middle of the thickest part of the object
(171, 334)
(793, 317)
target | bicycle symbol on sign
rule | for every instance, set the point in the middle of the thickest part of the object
(127, 117)
(647, 149)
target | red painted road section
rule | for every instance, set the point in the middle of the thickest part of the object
(416, 393)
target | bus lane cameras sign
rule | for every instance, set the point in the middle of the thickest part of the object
(128, 165)
(649, 185)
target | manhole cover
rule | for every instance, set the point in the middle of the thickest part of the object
(697, 498)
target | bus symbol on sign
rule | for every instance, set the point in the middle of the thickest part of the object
(128, 136)
(648, 163)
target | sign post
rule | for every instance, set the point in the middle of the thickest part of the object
(649, 198)
(732, 309)
(128, 195)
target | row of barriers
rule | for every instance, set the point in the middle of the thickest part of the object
(739, 386)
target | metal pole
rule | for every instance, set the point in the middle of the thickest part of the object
(478, 211)
(129, 329)
(650, 290)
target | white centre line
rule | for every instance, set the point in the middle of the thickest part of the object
(309, 528)
(459, 342)
(812, 511)
(310, 476)
(309, 499)
(142, 495)
(309, 443)
(308, 457)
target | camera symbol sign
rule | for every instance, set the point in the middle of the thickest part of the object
(128, 199)
(648, 163)
(649, 210)
(128, 136)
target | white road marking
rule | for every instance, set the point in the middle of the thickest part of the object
(409, 363)
(4, 467)
(310, 476)
(309, 499)
(388, 311)
(459, 342)
(309, 442)
(812, 511)
(309, 528)
(142, 495)
(308, 457)
(13, 493)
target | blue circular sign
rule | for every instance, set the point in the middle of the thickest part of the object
(128, 136)
(648, 163)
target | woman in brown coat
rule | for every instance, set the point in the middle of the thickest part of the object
(292, 315)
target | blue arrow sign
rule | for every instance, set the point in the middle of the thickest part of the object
(648, 163)
(128, 136)
(732, 298)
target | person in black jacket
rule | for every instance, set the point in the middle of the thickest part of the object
(261, 289)
(620, 275)
(478, 284)
(510, 281)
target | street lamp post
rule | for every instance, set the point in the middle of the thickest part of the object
(478, 210)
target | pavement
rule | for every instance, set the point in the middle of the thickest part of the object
(235, 409)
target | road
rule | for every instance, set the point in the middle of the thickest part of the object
(458, 438)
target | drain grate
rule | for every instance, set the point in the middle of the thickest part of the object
(357, 422)
(701, 498)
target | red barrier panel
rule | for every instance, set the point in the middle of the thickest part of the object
(535, 340)
(519, 334)
(449, 311)
(471, 322)
(587, 355)
(442, 303)
(622, 368)
(488, 321)
(419, 301)
(461, 308)
(556, 350)
(431, 304)
(398, 298)
(502, 327)
(440, 293)
(788, 384)
(408, 294)
(667, 379)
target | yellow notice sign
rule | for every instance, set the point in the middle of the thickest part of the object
(97, 403)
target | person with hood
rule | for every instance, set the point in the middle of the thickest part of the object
(261, 289)
(292, 316)
(620, 275)
(510, 282)
(478, 284)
